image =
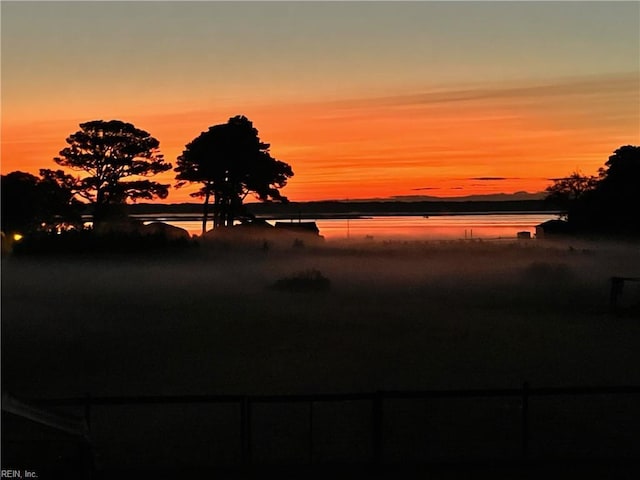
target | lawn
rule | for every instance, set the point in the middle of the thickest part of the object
(397, 316)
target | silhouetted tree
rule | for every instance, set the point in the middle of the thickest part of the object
(565, 191)
(616, 199)
(612, 205)
(32, 204)
(231, 162)
(622, 171)
(110, 152)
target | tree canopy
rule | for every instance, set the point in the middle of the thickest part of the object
(231, 162)
(108, 152)
(609, 203)
(565, 191)
(621, 174)
(30, 203)
(614, 205)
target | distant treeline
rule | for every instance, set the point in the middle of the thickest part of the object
(339, 208)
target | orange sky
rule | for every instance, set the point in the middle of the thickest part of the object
(445, 143)
(362, 99)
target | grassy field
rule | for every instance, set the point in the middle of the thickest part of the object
(403, 315)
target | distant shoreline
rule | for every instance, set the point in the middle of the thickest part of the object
(337, 209)
(192, 217)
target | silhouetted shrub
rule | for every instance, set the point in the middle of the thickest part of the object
(548, 272)
(305, 281)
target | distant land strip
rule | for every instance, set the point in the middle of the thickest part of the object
(340, 209)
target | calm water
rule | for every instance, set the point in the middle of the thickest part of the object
(440, 227)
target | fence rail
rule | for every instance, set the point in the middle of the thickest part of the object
(338, 397)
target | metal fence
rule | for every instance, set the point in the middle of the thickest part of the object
(383, 411)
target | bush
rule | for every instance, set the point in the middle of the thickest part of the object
(305, 281)
(544, 272)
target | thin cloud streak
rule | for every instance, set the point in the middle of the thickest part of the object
(598, 85)
(491, 179)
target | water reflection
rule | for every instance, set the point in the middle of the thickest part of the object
(439, 227)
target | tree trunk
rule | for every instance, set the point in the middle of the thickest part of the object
(231, 213)
(224, 210)
(205, 212)
(216, 213)
(98, 208)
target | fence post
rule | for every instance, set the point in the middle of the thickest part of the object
(377, 428)
(311, 432)
(87, 447)
(245, 427)
(87, 411)
(617, 284)
(525, 420)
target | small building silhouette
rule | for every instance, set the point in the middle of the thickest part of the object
(299, 227)
(552, 227)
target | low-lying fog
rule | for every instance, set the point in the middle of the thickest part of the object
(398, 315)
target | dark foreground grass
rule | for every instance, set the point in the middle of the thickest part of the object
(398, 316)
(483, 471)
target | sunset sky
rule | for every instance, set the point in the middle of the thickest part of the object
(362, 99)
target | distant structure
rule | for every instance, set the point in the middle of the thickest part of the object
(170, 232)
(301, 232)
(260, 233)
(131, 226)
(299, 227)
(552, 227)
